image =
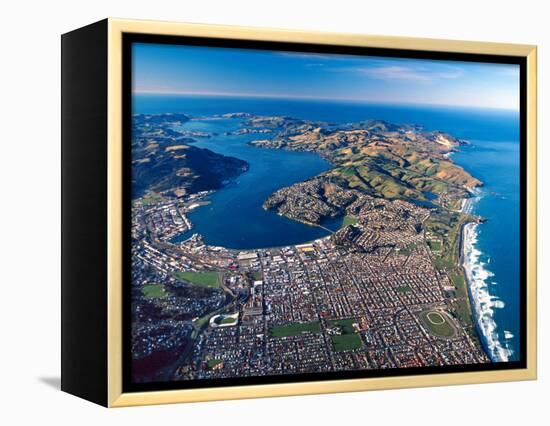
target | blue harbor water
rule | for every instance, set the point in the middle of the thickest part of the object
(235, 218)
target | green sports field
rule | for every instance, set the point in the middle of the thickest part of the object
(213, 362)
(439, 324)
(346, 342)
(346, 325)
(294, 329)
(154, 291)
(349, 339)
(203, 279)
(435, 245)
(349, 220)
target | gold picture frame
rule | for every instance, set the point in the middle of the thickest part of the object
(115, 29)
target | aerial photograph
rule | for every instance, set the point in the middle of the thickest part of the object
(297, 213)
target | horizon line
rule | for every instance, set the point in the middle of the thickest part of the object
(306, 97)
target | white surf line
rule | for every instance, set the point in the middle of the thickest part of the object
(484, 303)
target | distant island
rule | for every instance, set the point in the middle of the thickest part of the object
(384, 290)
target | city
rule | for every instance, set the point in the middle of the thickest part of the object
(374, 294)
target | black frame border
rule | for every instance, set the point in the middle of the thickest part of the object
(129, 38)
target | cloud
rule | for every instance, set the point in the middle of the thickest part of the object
(508, 71)
(310, 55)
(420, 71)
(406, 73)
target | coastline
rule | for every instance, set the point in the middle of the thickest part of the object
(481, 301)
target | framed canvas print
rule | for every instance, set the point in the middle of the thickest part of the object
(251, 212)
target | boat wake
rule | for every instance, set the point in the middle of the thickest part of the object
(483, 302)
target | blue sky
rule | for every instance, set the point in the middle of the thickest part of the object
(242, 72)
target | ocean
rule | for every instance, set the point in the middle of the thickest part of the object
(235, 219)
